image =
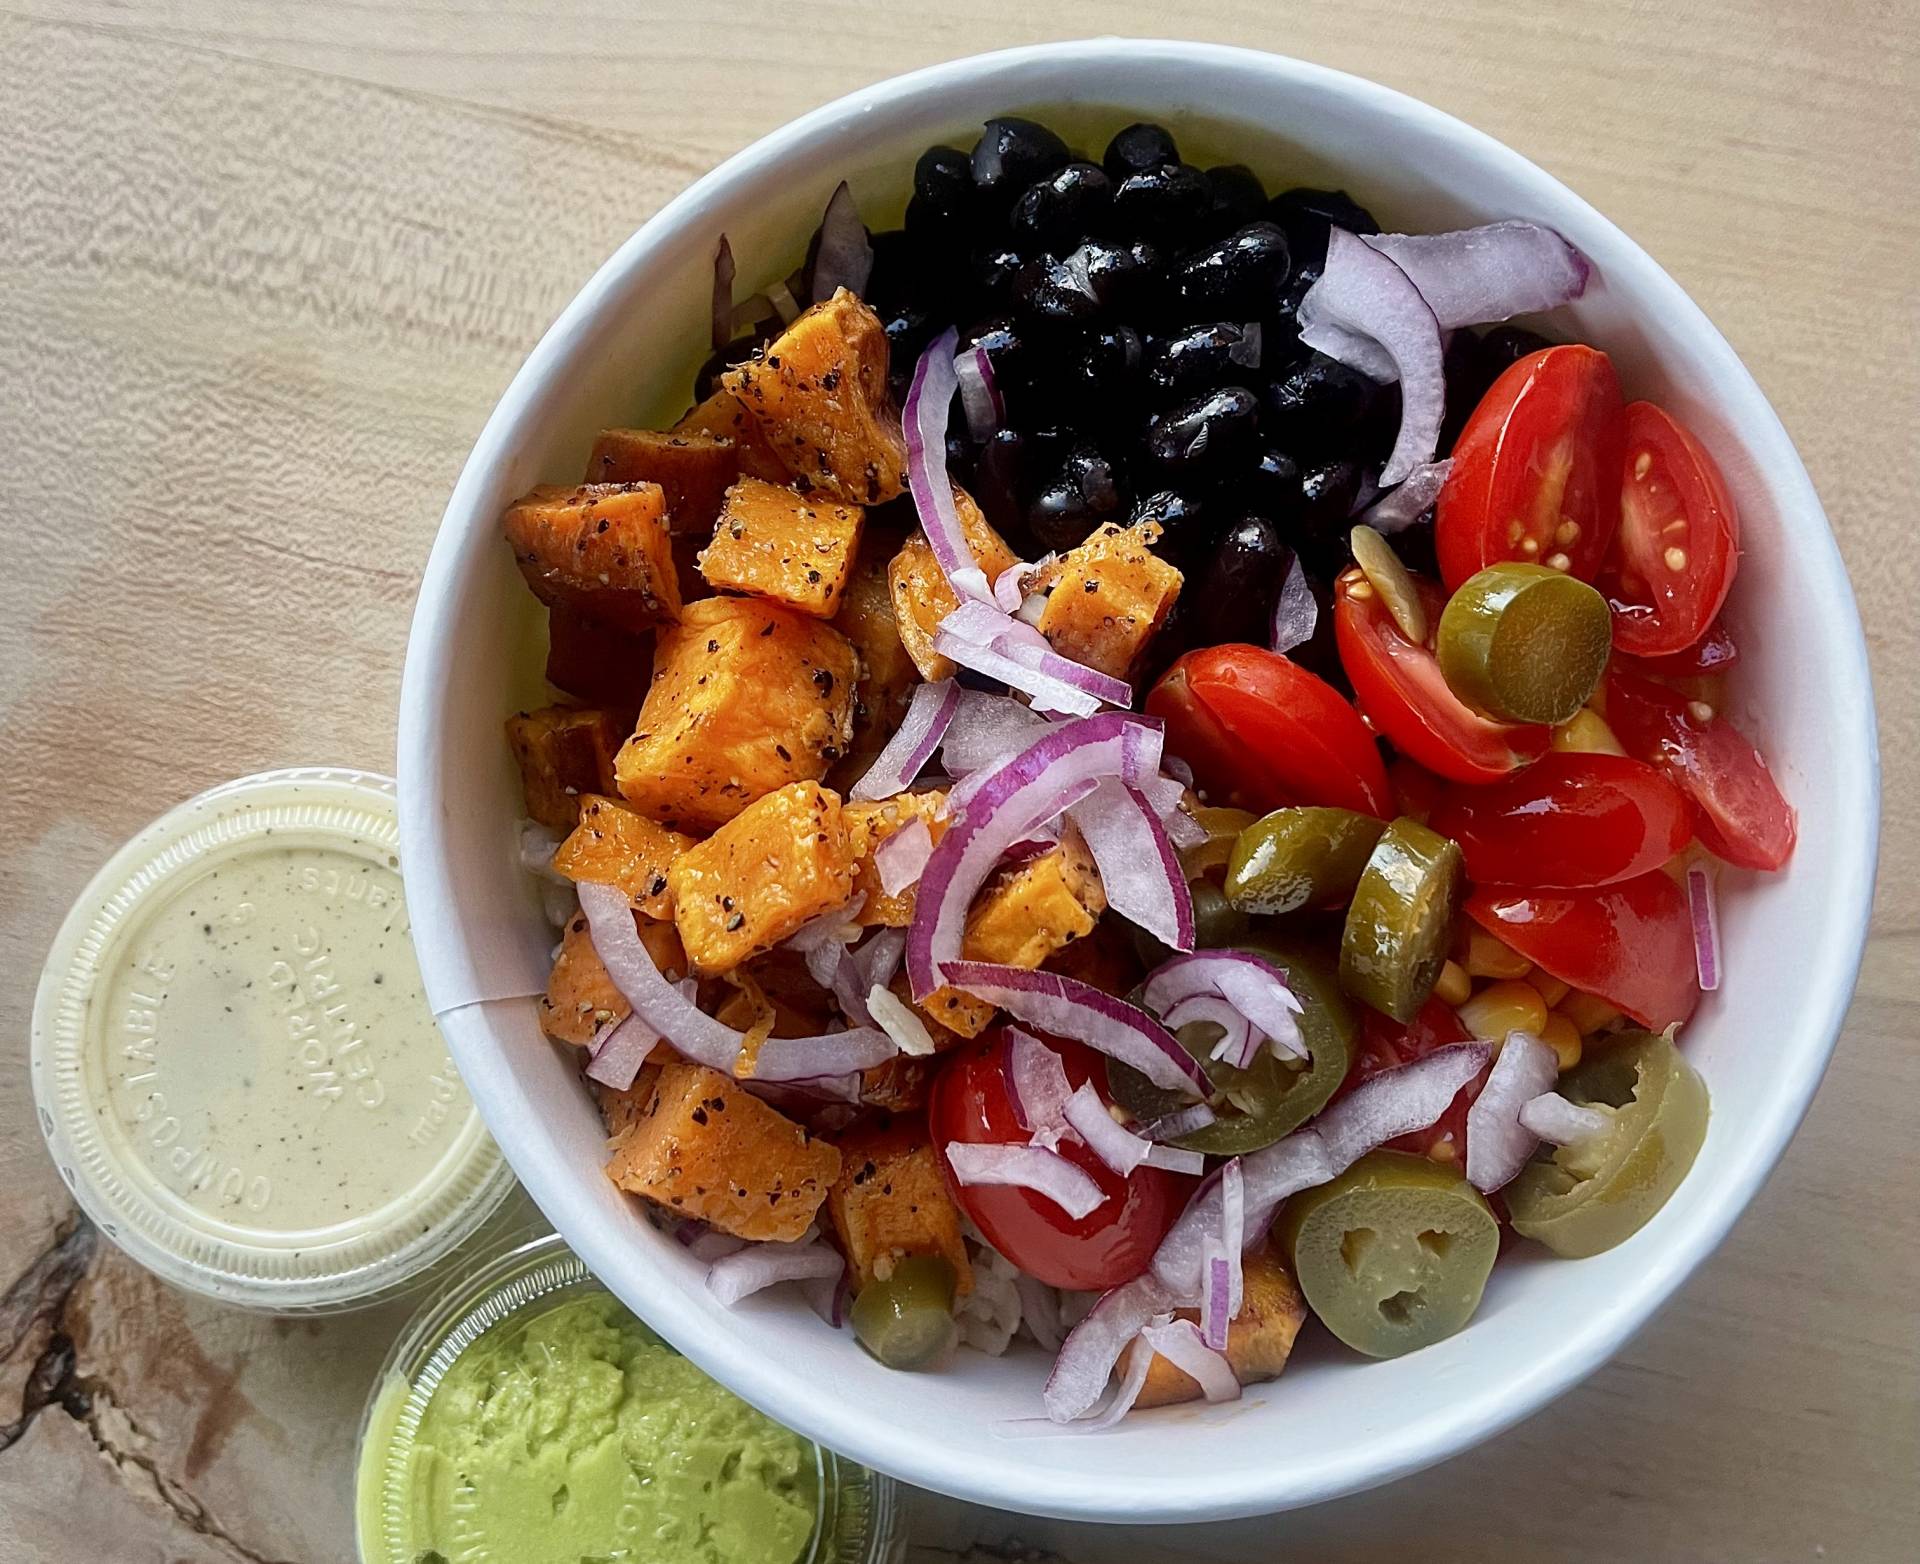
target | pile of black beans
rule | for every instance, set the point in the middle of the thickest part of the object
(1139, 313)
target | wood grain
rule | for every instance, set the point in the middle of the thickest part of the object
(265, 270)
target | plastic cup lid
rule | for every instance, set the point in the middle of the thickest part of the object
(235, 1066)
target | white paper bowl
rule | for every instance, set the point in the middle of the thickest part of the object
(625, 349)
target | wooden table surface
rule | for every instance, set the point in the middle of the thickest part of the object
(263, 272)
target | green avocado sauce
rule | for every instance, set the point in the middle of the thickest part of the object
(579, 1438)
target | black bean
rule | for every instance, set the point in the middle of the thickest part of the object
(994, 270)
(943, 198)
(1238, 587)
(1316, 402)
(1241, 274)
(1506, 345)
(735, 352)
(1327, 493)
(1238, 195)
(1011, 155)
(1137, 149)
(1212, 431)
(1060, 210)
(1123, 277)
(1104, 364)
(1162, 203)
(1047, 288)
(1272, 484)
(1183, 520)
(1083, 493)
(999, 480)
(1306, 214)
(1197, 358)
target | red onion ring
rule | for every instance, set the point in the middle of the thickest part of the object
(979, 395)
(1139, 869)
(1498, 1145)
(844, 256)
(617, 1052)
(1036, 1168)
(1474, 276)
(1092, 1347)
(1703, 915)
(1400, 507)
(759, 1266)
(1181, 1343)
(929, 402)
(912, 744)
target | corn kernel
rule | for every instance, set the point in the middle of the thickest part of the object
(1563, 1038)
(1491, 958)
(1552, 990)
(1587, 1012)
(1454, 986)
(1586, 733)
(1504, 1007)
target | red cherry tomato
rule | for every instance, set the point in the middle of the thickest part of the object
(1405, 696)
(1631, 943)
(1679, 540)
(1536, 470)
(1713, 653)
(1111, 1244)
(1386, 1045)
(1261, 731)
(1568, 820)
(1738, 811)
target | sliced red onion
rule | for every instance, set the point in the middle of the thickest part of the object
(1393, 1102)
(835, 926)
(819, 1099)
(1010, 586)
(1039, 1310)
(537, 847)
(1020, 796)
(1216, 1296)
(913, 743)
(1239, 1043)
(987, 729)
(1254, 986)
(1474, 276)
(785, 305)
(879, 958)
(1036, 1082)
(1047, 692)
(1399, 508)
(1704, 914)
(1178, 769)
(985, 638)
(1181, 1344)
(1092, 1347)
(1296, 612)
(844, 257)
(1364, 294)
(828, 1297)
(1119, 1148)
(722, 294)
(1233, 1234)
(618, 1050)
(1068, 1007)
(709, 1246)
(929, 401)
(1555, 1120)
(1365, 494)
(1185, 832)
(1068, 1185)
(903, 855)
(891, 1013)
(698, 1036)
(979, 395)
(751, 311)
(823, 962)
(849, 986)
(759, 1266)
(1139, 869)
(1498, 1145)
(1184, 1121)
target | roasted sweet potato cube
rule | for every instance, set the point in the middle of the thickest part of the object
(724, 415)
(819, 391)
(891, 1201)
(615, 845)
(580, 997)
(564, 753)
(887, 673)
(1022, 916)
(1258, 1342)
(692, 467)
(601, 549)
(871, 823)
(596, 663)
(746, 697)
(771, 542)
(710, 1149)
(921, 596)
(778, 863)
(1109, 596)
(620, 1111)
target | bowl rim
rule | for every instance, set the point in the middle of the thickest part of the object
(1462, 1420)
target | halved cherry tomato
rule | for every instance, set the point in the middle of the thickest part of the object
(1386, 1045)
(1260, 732)
(1713, 653)
(1738, 811)
(1536, 471)
(1631, 943)
(1679, 540)
(1568, 820)
(1401, 689)
(1111, 1244)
